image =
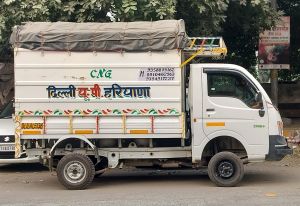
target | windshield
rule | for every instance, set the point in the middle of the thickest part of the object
(7, 111)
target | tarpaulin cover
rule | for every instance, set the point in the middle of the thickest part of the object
(114, 36)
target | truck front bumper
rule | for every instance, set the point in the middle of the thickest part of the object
(278, 148)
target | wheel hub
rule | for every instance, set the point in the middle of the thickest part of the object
(75, 171)
(225, 169)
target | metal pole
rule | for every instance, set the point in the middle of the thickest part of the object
(274, 87)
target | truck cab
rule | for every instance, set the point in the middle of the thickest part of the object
(231, 111)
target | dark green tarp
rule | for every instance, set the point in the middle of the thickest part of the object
(114, 36)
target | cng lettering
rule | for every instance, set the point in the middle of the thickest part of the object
(101, 73)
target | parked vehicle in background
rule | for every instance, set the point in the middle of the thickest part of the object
(93, 96)
(7, 139)
(7, 132)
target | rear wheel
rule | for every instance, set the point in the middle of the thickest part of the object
(75, 171)
(225, 169)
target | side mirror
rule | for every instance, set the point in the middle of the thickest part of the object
(258, 97)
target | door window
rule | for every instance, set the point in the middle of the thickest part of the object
(225, 84)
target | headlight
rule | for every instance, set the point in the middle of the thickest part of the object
(280, 127)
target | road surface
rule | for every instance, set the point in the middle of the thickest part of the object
(263, 184)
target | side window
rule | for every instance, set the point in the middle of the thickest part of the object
(232, 85)
(7, 111)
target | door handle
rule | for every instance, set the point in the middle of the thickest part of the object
(210, 110)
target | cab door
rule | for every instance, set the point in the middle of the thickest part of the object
(231, 105)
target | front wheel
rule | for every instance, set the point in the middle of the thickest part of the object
(75, 171)
(225, 169)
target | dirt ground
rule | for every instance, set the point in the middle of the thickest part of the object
(269, 183)
(290, 160)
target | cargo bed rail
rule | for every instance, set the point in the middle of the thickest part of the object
(205, 47)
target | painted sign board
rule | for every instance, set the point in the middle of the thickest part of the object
(157, 74)
(274, 46)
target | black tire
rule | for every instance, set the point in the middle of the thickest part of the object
(225, 169)
(75, 171)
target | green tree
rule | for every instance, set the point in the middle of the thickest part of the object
(204, 17)
(14, 12)
(239, 22)
(241, 31)
(151, 10)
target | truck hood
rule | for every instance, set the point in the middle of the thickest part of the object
(7, 127)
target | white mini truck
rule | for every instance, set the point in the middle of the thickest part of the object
(94, 96)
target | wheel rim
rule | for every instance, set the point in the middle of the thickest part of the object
(225, 169)
(75, 172)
